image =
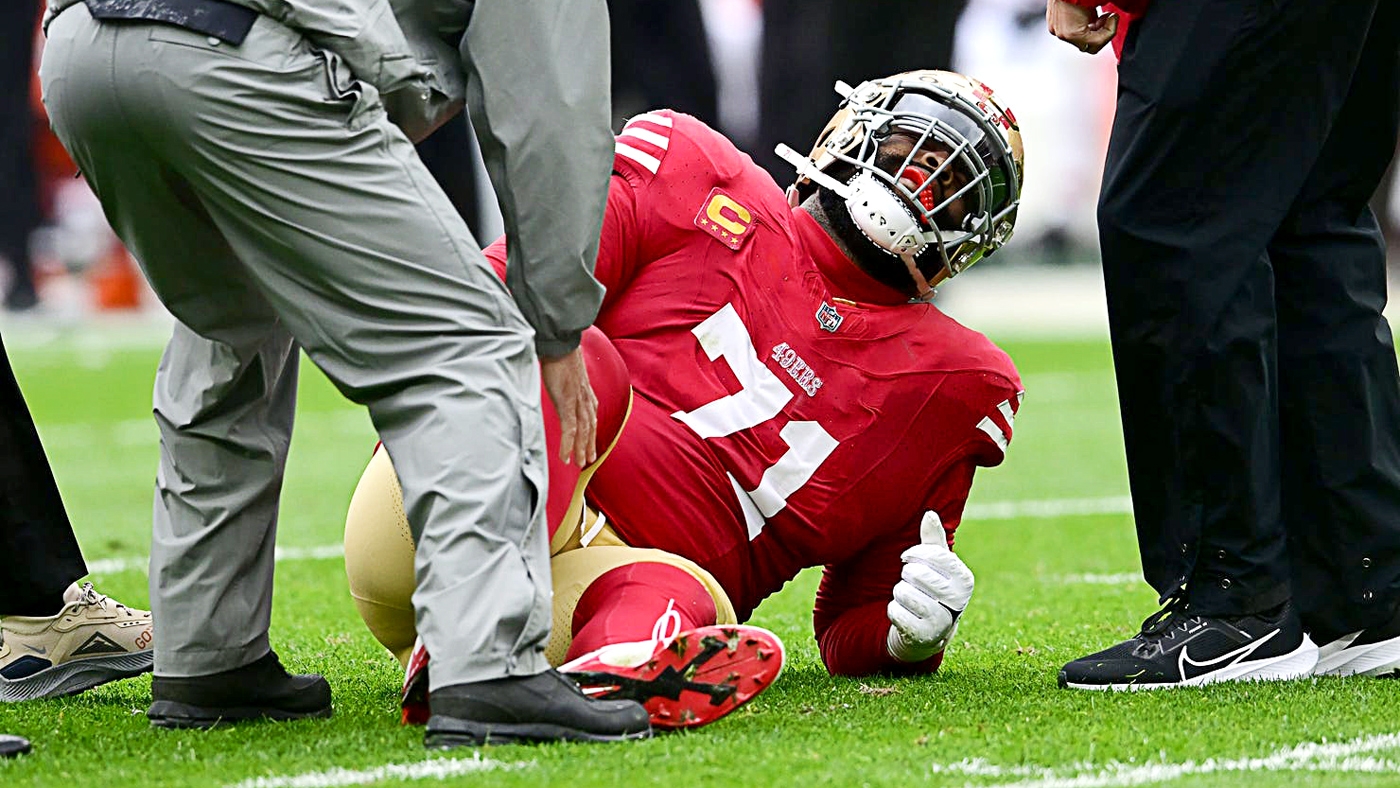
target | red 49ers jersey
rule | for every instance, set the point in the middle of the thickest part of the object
(790, 411)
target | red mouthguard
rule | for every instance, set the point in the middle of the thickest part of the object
(918, 176)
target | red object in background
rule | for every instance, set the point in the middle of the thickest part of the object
(51, 160)
(116, 281)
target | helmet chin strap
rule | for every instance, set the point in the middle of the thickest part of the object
(889, 224)
(880, 215)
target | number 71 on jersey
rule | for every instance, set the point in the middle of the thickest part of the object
(761, 397)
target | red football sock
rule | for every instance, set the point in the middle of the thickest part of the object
(623, 605)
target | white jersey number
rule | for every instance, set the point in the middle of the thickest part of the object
(724, 335)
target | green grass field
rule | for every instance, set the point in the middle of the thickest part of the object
(1048, 534)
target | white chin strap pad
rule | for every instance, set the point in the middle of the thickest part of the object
(883, 217)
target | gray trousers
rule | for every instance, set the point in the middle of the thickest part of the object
(273, 206)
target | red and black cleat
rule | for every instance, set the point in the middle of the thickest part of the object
(687, 681)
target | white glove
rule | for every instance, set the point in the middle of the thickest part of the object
(933, 590)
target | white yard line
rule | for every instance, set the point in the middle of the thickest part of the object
(1054, 507)
(439, 769)
(1348, 756)
(110, 566)
(1098, 579)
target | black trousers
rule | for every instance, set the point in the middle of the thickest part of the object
(1245, 278)
(448, 154)
(19, 201)
(40, 551)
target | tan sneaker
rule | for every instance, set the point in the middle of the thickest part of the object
(93, 640)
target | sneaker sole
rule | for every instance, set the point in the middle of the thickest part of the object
(173, 714)
(692, 683)
(13, 746)
(70, 678)
(1377, 660)
(1296, 664)
(447, 732)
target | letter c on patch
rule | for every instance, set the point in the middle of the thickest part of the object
(728, 214)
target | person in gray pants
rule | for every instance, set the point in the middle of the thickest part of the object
(245, 153)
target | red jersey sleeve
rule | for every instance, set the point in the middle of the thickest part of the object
(996, 399)
(619, 247)
(849, 616)
(850, 619)
(496, 255)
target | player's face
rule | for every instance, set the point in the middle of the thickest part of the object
(921, 168)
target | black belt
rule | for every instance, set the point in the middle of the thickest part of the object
(228, 22)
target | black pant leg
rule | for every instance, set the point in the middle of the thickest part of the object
(19, 206)
(40, 550)
(796, 79)
(1215, 132)
(661, 59)
(1339, 387)
(809, 44)
(449, 154)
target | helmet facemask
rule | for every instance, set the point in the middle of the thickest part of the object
(898, 202)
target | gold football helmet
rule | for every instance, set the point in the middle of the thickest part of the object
(979, 143)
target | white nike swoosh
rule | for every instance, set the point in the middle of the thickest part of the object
(1340, 644)
(1233, 656)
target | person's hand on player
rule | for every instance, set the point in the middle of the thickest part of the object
(566, 380)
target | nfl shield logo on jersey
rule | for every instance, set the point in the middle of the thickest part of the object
(828, 318)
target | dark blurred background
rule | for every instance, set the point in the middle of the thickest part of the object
(761, 71)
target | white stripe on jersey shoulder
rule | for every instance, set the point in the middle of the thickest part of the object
(650, 117)
(645, 135)
(645, 159)
(1005, 407)
(993, 431)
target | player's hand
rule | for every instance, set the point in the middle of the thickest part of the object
(932, 592)
(1085, 28)
(566, 380)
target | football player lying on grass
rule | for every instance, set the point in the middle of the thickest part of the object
(799, 401)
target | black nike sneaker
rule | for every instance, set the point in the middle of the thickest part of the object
(1178, 649)
(1370, 652)
(12, 746)
(262, 690)
(539, 708)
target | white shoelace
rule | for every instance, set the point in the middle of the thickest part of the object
(668, 627)
(88, 597)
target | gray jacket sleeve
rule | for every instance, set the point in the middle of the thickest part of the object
(538, 84)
